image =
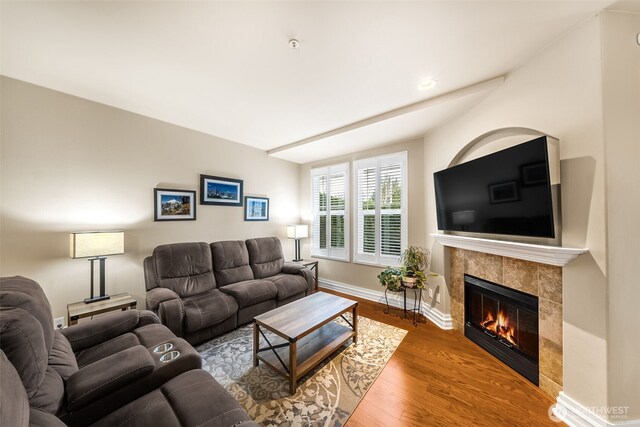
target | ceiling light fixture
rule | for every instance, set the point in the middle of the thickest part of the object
(294, 44)
(427, 84)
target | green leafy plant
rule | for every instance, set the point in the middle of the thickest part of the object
(412, 272)
(391, 278)
(415, 261)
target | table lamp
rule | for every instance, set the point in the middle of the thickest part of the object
(297, 232)
(96, 245)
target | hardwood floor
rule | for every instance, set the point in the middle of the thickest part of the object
(440, 378)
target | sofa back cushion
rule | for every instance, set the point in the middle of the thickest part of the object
(149, 268)
(20, 292)
(231, 262)
(62, 359)
(22, 340)
(185, 268)
(265, 256)
(14, 404)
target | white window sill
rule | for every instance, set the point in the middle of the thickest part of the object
(329, 258)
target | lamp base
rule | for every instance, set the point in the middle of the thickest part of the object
(96, 299)
(297, 260)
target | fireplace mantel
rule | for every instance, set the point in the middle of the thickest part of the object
(552, 255)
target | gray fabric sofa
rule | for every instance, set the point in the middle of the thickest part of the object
(201, 291)
(104, 370)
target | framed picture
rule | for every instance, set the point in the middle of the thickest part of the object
(174, 205)
(534, 174)
(215, 190)
(256, 208)
(504, 192)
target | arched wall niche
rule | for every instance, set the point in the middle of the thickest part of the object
(495, 140)
(500, 139)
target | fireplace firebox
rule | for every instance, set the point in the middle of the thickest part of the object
(504, 322)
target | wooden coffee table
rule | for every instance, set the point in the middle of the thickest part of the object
(308, 334)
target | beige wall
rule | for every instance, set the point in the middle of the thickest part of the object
(559, 92)
(621, 93)
(68, 164)
(358, 274)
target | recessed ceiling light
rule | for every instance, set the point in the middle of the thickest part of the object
(294, 44)
(427, 84)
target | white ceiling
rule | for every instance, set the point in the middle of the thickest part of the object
(225, 68)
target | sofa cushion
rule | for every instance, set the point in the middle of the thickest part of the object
(40, 418)
(185, 268)
(102, 328)
(207, 309)
(61, 357)
(265, 256)
(147, 336)
(251, 292)
(14, 404)
(106, 348)
(191, 399)
(50, 394)
(288, 285)
(21, 339)
(20, 292)
(230, 262)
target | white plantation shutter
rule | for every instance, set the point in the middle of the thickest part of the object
(330, 207)
(319, 209)
(381, 212)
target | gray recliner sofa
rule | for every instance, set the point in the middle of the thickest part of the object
(103, 371)
(201, 291)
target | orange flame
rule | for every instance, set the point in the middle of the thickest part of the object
(501, 326)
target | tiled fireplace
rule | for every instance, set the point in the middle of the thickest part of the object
(539, 285)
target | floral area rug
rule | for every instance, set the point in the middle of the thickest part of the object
(326, 396)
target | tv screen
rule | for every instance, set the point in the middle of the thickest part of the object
(507, 192)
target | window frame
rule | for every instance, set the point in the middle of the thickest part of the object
(329, 252)
(377, 258)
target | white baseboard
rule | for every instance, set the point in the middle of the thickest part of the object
(395, 300)
(574, 414)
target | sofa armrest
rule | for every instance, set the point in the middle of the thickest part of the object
(107, 375)
(171, 314)
(147, 317)
(101, 329)
(156, 296)
(297, 268)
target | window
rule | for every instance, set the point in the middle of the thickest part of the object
(330, 208)
(381, 199)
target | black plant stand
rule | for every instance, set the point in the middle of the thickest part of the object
(417, 302)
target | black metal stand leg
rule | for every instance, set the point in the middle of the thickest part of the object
(92, 274)
(386, 310)
(404, 298)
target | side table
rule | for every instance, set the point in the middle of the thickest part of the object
(80, 310)
(313, 266)
(417, 301)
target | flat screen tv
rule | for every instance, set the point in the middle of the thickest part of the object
(508, 192)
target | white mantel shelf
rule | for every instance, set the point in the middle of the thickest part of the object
(552, 255)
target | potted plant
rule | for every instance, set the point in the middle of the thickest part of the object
(415, 261)
(391, 278)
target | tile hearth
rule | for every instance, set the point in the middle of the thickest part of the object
(541, 280)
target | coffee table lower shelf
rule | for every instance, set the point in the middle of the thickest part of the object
(309, 351)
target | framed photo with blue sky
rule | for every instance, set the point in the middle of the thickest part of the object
(256, 208)
(174, 205)
(216, 190)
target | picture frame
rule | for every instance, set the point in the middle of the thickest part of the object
(217, 190)
(174, 205)
(256, 208)
(504, 192)
(534, 174)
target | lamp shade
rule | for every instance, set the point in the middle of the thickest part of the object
(297, 231)
(96, 243)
